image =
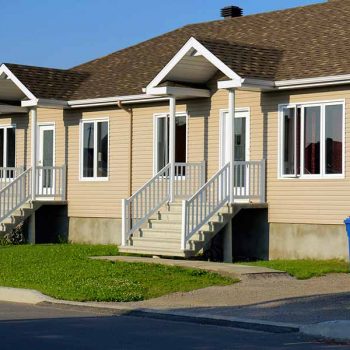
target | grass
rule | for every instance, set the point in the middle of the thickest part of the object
(66, 272)
(305, 269)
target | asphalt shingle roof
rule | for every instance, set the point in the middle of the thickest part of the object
(303, 42)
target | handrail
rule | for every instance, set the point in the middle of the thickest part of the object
(15, 194)
(197, 210)
(8, 174)
(145, 202)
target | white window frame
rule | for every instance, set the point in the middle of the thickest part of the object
(302, 175)
(156, 116)
(81, 151)
(11, 126)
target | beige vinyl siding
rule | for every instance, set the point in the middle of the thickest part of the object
(98, 198)
(321, 201)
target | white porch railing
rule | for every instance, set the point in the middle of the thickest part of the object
(51, 182)
(8, 174)
(156, 192)
(197, 210)
(249, 184)
(188, 178)
(249, 180)
(15, 194)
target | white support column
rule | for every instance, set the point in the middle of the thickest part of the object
(33, 118)
(172, 116)
(231, 143)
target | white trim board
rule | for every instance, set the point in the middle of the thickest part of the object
(5, 70)
(193, 44)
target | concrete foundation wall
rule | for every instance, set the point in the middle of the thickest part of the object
(94, 230)
(308, 241)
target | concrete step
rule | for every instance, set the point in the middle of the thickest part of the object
(156, 252)
(202, 236)
(167, 215)
(149, 232)
(165, 225)
(166, 244)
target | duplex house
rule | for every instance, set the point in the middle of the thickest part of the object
(230, 128)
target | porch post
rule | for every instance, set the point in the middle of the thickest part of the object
(231, 143)
(33, 117)
(172, 115)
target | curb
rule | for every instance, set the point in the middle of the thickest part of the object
(333, 330)
(223, 321)
(28, 296)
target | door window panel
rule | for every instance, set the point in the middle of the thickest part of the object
(47, 160)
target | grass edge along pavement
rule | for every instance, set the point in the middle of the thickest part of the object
(64, 271)
(305, 269)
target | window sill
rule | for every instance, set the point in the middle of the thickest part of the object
(313, 177)
(94, 179)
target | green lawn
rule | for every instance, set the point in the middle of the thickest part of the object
(65, 272)
(305, 269)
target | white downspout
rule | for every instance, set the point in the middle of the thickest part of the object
(172, 116)
(33, 116)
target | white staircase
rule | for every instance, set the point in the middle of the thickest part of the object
(18, 217)
(162, 234)
(152, 225)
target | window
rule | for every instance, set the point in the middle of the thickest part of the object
(94, 149)
(162, 141)
(312, 142)
(7, 146)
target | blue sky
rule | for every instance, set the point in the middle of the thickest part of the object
(64, 33)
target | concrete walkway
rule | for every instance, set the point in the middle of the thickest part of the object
(262, 294)
(231, 270)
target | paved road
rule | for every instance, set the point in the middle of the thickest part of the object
(50, 327)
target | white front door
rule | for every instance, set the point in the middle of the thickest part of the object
(241, 143)
(46, 159)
